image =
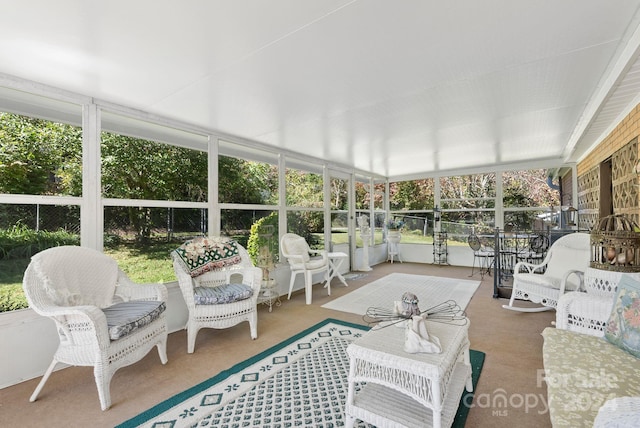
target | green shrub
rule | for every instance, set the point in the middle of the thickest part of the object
(255, 241)
(12, 298)
(17, 245)
(20, 241)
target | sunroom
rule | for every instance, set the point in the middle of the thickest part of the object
(132, 128)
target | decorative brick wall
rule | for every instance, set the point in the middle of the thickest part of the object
(621, 145)
(589, 198)
(625, 181)
(567, 190)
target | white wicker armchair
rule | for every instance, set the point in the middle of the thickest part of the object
(220, 315)
(103, 319)
(560, 271)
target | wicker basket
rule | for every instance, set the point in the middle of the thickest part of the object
(615, 244)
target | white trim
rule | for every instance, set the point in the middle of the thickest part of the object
(6, 198)
(148, 203)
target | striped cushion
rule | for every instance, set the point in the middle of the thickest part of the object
(125, 317)
(226, 293)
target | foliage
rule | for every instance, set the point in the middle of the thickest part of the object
(246, 182)
(465, 196)
(394, 224)
(339, 194)
(32, 151)
(305, 223)
(364, 198)
(12, 298)
(411, 195)
(21, 242)
(140, 169)
(17, 245)
(256, 241)
(304, 189)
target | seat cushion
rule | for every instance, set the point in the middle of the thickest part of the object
(582, 372)
(126, 317)
(315, 263)
(540, 280)
(226, 293)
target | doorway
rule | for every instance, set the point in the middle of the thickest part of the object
(606, 189)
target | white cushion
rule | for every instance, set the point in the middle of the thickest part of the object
(315, 263)
(537, 279)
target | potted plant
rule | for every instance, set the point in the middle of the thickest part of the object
(395, 224)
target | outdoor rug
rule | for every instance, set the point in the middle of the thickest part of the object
(381, 293)
(299, 382)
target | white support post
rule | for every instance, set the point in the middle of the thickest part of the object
(91, 209)
(214, 204)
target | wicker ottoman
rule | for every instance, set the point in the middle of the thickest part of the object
(389, 387)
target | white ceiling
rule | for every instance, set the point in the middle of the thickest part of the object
(397, 88)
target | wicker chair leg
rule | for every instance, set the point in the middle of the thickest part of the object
(44, 379)
(253, 324)
(192, 332)
(162, 350)
(103, 380)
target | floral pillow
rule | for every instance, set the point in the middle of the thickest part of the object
(623, 327)
(201, 255)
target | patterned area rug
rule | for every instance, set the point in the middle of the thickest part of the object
(299, 382)
(430, 290)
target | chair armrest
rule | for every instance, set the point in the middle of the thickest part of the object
(130, 290)
(323, 253)
(185, 282)
(251, 275)
(619, 412)
(526, 267)
(254, 278)
(72, 322)
(583, 313)
(295, 259)
(579, 274)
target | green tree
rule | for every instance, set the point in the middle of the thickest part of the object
(339, 194)
(133, 168)
(39, 157)
(244, 182)
(411, 195)
(304, 189)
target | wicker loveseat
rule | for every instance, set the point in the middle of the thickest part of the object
(590, 380)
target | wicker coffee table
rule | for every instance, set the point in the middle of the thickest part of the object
(389, 387)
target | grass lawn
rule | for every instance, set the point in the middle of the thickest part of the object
(145, 264)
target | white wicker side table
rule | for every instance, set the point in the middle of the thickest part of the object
(402, 389)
